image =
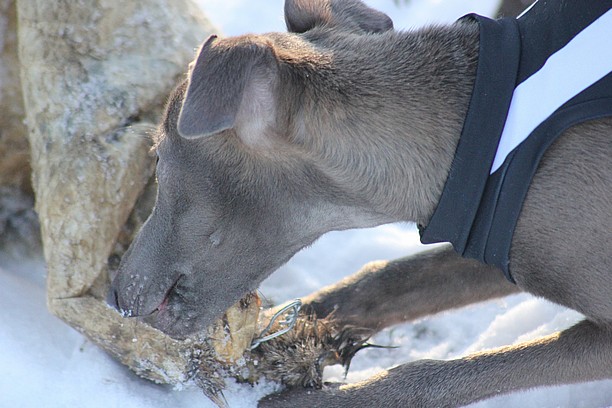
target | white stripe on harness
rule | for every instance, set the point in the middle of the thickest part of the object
(579, 64)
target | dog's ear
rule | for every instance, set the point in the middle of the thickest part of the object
(353, 15)
(229, 86)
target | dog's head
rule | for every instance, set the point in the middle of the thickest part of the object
(238, 191)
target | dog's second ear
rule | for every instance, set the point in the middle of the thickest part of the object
(229, 86)
(354, 15)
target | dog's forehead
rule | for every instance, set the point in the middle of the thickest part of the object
(162, 147)
(174, 149)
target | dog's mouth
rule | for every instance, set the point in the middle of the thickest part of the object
(163, 306)
(171, 315)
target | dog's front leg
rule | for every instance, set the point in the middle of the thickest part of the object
(581, 353)
(385, 293)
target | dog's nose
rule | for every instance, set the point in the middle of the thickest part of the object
(112, 298)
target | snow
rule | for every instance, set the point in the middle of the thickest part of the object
(48, 364)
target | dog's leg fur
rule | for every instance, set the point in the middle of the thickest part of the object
(385, 293)
(578, 354)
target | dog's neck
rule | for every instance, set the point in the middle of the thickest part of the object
(382, 114)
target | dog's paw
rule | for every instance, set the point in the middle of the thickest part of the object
(330, 396)
(416, 384)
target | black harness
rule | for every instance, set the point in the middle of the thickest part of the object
(537, 75)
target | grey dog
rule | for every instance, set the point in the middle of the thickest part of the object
(343, 122)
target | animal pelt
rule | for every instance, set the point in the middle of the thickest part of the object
(295, 359)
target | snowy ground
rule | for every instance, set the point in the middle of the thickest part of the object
(47, 364)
